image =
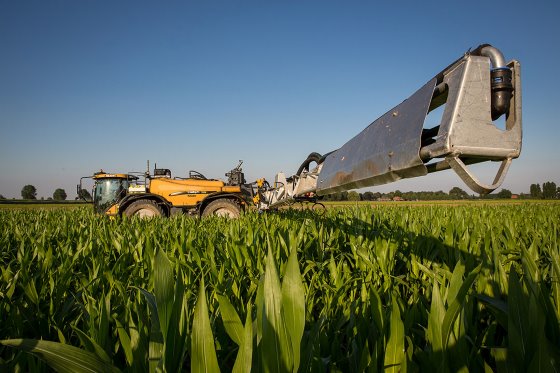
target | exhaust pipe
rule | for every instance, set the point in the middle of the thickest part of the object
(500, 80)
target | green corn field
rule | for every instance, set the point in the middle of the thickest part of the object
(471, 288)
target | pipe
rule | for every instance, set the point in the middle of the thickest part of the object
(496, 57)
(500, 80)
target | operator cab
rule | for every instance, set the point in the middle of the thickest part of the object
(109, 189)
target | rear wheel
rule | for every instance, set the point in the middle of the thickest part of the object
(222, 207)
(144, 209)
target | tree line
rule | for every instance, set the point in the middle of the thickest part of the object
(29, 192)
(549, 190)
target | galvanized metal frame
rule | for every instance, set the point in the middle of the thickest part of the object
(391, 148)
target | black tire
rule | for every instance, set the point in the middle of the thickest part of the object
(222, 207)
(143, 208)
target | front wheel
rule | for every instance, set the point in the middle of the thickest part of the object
(143, 209)
(222, 207)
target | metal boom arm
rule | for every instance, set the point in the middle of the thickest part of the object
(476, 90)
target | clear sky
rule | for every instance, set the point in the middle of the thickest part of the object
(199, 85)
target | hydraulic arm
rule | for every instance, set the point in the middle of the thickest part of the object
(477, 90)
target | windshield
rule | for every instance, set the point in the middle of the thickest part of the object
(107, 192)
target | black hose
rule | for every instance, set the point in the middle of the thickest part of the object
(313, 157)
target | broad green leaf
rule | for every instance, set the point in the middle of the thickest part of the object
(90, 345)
(31, 291)
(103, 328)
(163, 289)
(244, 359)
(311, 347)
(456, 305)
(259, 302)
(293, 305)
(232, 322)
(275, 345)
(155, 346)
(376, 309)
(124, 339)
(455, 283)
(176, 341)
(203, 351)
(138, 341)
(365, 358)
(540, 359)
(394, 351)
(61, 357)
(518, 322)
(435, 319)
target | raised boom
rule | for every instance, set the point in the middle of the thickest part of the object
(477, 90)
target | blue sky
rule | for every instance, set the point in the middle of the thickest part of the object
(199, 85)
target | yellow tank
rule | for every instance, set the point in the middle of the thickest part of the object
(188, 192)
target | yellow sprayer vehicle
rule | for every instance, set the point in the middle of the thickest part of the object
(147, 195)
(478, 96)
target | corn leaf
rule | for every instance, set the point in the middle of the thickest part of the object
(231, 320)
(203, 351)
(518, 322)
(90, 345)
(455, 282)
(176, 340)
(244, 359)
(293, 305)
(163, 289)
(435, 319)
(124, 339)
(275, 346)
(155, 346)
(456, 305)
(394, 351)
(61, 357)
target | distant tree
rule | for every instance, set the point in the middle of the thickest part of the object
(353, 196)
(458, 193)
(504, 193)
(2, 197)
(535, 190)
(338, 196)
(59, 195)
(331, 197)
(440, 194)
(368, 196)
(29, 192)
(410, 196)
(84, 194)
(549, 190)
